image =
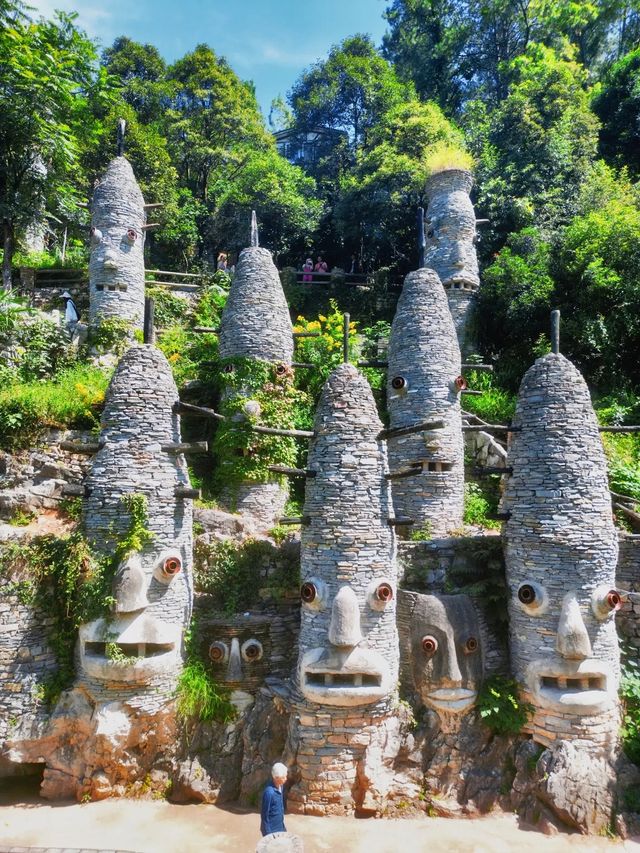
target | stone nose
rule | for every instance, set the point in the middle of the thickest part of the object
(234, 667)
(344, 628)
(451, 674)
(110, 261)
(572, 641)
(130, 586)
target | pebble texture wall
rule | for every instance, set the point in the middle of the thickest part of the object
(561, 550)
(256, 324)
(424, 358)
(137, 421)
(116, 266)
(450, 238)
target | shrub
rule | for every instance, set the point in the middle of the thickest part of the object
(500, 706)
(479, 503)
(630, 695)
(199, 698)
(168, 308)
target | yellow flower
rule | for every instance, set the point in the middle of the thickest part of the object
(174, 357)
(322, 319)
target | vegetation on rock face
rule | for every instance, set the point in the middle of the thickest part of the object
(500, 706)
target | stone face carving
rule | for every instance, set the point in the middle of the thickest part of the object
(561, 551)
(116, 266)
(424, 362)
(450, 241)
(443, 645)
(240, 651)
(348, 639)
(256, 324)
(141, 642)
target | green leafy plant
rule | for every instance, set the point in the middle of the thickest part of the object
(169, 309)
(479, 504)
(199, 698)
(630, 696)
(111, 335)
(500, 706)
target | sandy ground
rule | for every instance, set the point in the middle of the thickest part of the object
(159, 827)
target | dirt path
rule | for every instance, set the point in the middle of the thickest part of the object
(159, 827)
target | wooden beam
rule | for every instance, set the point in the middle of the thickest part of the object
(621, 429)
(149, 331)
(383, 364)
(295, 519)
(426, 426)
(186, 447)
(206, 330)
(292, 472)
(87, 448)
(181, 408)
(306, 334)
(489, 427)
(631, 514)
(415, 468)
(302, 364)
(472, 393)
(294, 433)
(400, 521)
(76, 490)
(470, 366)
(480, 470)
(187, 493)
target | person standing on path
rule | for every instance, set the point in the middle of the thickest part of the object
(274, 801)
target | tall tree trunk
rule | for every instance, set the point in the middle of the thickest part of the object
(7, 245)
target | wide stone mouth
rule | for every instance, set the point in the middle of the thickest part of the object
(570, 687)
(573, 685)
(452, 699)
(342, 680)
(127, 650)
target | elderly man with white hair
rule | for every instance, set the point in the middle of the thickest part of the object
(274, 802)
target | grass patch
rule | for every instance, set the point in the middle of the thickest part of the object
(199, 697)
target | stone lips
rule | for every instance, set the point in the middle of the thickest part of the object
(423, 349)
(116, 265)
(348, 647)
(560, 542)
(255, 321)
(137, 421)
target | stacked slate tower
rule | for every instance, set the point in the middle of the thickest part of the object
(450, 243)
(423, 385)
(561, 550)
(348, 659)
(116, 265)
(136, 652)
(256, 325)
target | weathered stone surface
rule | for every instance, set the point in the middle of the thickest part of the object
(116, 266)
(424, 358)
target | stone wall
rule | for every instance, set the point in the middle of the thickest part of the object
(424, 362)
(628, 578)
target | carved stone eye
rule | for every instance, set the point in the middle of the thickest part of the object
(96, 236)
(131, 235)
(251, 650)
(527, 593)
(228, 368)
(430, 233)
(218, 652)
(471, 645)
(399, 383)
(429, 645)
(281, 369)
(614, 602)
(384, 592)
(605, 601)
(460, 382)
(172, 566)
(308, 592)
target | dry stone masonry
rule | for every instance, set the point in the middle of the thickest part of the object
(256, 324)
(116, 266)
(450, 243)
(424, 364)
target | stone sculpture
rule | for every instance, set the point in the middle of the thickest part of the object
(442, 642)
(348, 659)
(450, 242)
(116, 265)
(561, 550)
(423, 385)
(256, 325)
(152, 589)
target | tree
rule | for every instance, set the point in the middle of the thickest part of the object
(46, 70)
(348, 91)
(141, 73)
(618, 106)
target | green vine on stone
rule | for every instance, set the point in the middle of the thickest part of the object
(138, 534)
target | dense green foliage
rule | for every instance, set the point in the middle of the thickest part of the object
(500, 706)
(630, 695)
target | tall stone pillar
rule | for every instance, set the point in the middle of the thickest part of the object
(116, 265)
(256, 326)
(343, 725)
(424, 363)
(450, 227)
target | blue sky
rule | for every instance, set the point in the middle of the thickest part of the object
(267, 41)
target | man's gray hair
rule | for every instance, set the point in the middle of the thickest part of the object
(279, 770)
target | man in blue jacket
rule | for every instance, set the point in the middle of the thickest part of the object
(274, 801)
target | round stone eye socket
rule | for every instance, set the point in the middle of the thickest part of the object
(614, 602)
(251, 650)
(281, 369)
(398, 383)
(384, 592)
(430, 233)
(228, 368)
(308, 592)
(527, 594)
(460, 382)
(172, 566)
(131, 235)
(96, 235)
(429, 645)
(217, 652)
(471, 645)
